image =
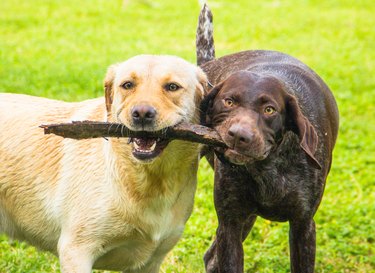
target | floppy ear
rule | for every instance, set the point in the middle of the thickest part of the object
(202, 88)
(108, 88)
(207, 103)
(298, 123)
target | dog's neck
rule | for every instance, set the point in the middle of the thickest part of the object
(167, 174)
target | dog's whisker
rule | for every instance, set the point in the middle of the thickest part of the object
(109, 128)
(164, 131)
(122, 130)
(118, 126)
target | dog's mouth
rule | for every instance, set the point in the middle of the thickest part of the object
(239, 158)
(146, 149)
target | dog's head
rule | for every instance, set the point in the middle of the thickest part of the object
(151, 93)
(252, 114)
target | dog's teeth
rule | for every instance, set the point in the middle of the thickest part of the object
(136, 146)
(153, 146)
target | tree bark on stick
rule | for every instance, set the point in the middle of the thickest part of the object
(95, 129)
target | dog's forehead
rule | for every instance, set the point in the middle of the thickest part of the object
(250, 85)
(241, 78)
(156, 67)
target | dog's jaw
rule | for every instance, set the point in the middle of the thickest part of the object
(146, 150)
(237, 158)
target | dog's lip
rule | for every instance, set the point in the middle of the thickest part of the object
(149, 155)
(153, 149)
(234, 156)
(237, 158)
(240, 158)
(146, 149)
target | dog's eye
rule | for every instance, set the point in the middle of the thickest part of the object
(127, 85)
(269, 110)
(228, 102)
(172, 87)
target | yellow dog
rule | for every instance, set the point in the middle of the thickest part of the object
(117, 204)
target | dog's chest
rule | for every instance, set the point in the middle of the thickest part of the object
(279, 192)
(148, 219)
(158, 222)
(151, 234)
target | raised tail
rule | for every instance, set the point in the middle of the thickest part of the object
(205, 47)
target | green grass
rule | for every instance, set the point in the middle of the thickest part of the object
(61, 49)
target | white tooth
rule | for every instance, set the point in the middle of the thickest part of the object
(136, 146)
(153, 146)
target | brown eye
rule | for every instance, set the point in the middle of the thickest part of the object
(228, 102)
(172, 87)
(127, 85)
(269, 110)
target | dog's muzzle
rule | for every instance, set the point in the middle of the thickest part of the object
(244, 145)
(143, 119)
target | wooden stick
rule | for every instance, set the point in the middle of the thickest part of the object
(94, 129)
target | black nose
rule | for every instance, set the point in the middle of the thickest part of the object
(143, 114)
(239, 136)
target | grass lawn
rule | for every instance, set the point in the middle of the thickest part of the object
(61, 49)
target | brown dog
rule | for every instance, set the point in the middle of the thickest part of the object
(118, 204)
(280, 122)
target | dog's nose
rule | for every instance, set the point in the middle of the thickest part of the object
(143, 114)
(239, 136)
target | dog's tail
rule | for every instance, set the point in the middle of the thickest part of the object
(205, 47)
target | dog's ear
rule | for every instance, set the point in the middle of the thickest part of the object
(202, 87)
(108, 88)
(298, 123)
(207, 103)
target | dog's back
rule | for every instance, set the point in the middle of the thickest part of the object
(30, 161)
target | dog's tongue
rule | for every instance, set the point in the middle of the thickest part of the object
(145, 144)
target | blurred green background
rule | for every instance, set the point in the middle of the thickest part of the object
(61, 49)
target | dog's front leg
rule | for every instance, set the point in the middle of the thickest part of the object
(74, 258)
(151, 268)
(235, 219)
(302, 246)
(210, 257)
(74, 261)
(229, 247)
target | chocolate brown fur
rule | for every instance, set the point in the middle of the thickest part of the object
(277, 164)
